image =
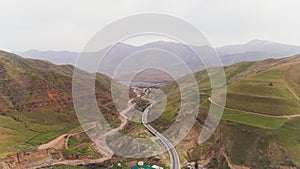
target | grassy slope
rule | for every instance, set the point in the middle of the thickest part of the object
(255, 94)
(250, 97)
(36, 102)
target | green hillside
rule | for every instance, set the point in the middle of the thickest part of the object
(36, 102)
(260, 124)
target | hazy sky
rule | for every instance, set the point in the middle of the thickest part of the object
(68, 24)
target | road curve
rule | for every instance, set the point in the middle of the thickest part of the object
(175, 163)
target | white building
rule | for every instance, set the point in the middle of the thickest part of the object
(156, 167)
(140, 163)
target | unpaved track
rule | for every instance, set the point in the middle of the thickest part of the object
(105, 150)
(53, 143)
(258, 114)
(94, 124)
(62, 139)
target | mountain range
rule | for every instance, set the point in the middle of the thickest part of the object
(251, 51)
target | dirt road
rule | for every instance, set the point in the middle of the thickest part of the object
(56, 143)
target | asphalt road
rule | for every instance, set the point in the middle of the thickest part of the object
(175, 163)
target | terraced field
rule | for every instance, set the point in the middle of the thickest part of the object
(269, 101)
(266, 92)
(262, 112)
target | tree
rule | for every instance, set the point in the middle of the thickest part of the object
(270, 84)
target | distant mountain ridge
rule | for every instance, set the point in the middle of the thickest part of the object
(56, 57)
(278, 49)
(254, 50)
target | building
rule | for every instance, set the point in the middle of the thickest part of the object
(156, 167)
(140, 163)
(142, 167)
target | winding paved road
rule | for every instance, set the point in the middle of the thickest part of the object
(175, 163)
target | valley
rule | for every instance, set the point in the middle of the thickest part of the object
(259, 127)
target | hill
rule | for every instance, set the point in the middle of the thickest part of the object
(260, 124)
(36, 102)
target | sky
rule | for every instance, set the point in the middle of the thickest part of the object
(69, 24)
